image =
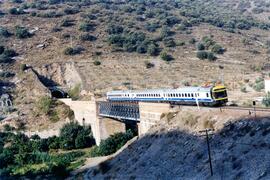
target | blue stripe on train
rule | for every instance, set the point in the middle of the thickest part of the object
(162, 99)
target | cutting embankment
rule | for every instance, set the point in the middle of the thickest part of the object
(175, 149)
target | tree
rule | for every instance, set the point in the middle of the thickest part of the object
(73, 135)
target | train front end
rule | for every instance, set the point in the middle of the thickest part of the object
(219, 94)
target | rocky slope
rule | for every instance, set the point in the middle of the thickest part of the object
(239, 150)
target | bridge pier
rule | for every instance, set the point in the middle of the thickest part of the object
(107, 118)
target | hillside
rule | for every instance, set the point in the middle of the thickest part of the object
(97, 46)
(174, 149)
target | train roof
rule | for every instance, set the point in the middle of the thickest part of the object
(184, 89)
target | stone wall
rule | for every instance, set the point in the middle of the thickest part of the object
(150, 114)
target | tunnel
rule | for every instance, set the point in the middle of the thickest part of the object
(58, 94)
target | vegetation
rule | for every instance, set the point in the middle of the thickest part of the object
(87, 37)
(73, 50)
(266, 100)
(259, 84)
(165, 56)
(97, 63)
(74, 93)
(4, 32)
(31, 157)
(22, 32)
(111, 144)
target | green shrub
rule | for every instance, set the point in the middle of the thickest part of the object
(258, 86)
(211, 56)
(266, 100)
(97, 63)
(149, 65)
(114, 29)
(202, 55)
(70, 10)
(86, 27)
(200, 47)
(16, 11)
(4, 32)
(74, 93)
(243, 89)
(112, 144)
(192, 41)
(180, 43)
(169, 42)
(73, 50)
(44, 104)
(87, 37)
(23, 67)
(2, 49)
(73, 135)
(152, 49)
(67, 23)
(165, 56)
(217, 49)
(22, 32)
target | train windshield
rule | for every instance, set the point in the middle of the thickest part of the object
(220, 94)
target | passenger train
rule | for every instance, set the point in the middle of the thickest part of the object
(206, 96)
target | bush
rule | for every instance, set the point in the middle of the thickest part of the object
(149, 65)
(22, 32)
(97, 63)
(16, 11)
(2, 49)
(87, 37)
(4, 32)
(115, 29)
(86, 27)
(169, 42)
(202, 55)
(217, 49)
(192, 41)
(73, 50)
(67, 23)
(200, 47)
(165, 56)
(211, 56)
(74, 93)
(44, 104)
(70, 10)
(112, 144)
(258, 86)
(23, 67)
(243, 89)
(73, 135)
(152, 49)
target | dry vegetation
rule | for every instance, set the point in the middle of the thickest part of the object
(108, 45)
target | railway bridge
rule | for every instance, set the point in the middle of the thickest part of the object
(106, 118)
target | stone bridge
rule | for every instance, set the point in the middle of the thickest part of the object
(106, 118)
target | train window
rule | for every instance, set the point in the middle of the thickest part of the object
(207, 95)
(188, 95)
(176, 95)
(192, 95)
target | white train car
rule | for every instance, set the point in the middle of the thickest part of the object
(208, 96)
